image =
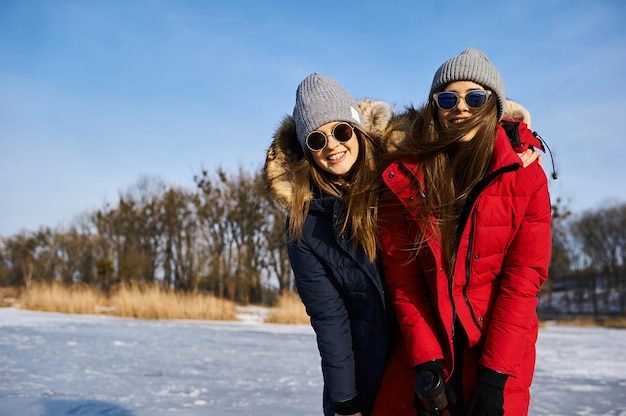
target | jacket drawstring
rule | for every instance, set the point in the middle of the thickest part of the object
(543, 142)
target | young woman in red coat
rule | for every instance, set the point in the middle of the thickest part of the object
(465, 246)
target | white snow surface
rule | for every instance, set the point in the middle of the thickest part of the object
(55, 364)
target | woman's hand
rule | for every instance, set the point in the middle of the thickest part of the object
(529, 156)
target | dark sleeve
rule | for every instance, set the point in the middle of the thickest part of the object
(329, 318)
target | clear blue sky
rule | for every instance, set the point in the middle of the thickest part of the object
(95, 95)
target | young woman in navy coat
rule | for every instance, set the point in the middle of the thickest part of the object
(321, 168)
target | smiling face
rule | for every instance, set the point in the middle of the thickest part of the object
(337, 157)
(461, 111)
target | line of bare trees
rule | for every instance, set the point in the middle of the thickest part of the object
(588, 267)
(224, 236)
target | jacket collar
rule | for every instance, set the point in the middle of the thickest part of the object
(503, 154)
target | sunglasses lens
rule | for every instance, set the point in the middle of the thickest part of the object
(316, 141)
(476, 99)
(446, 100)
(342, 132)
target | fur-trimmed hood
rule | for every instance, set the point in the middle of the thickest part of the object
(285, 150)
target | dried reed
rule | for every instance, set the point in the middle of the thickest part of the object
(289, 310)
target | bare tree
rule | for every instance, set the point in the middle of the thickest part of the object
(31, 256)
(179, 222)
(231, 211)
(600, 234)
(560, 263)
(214, 249)
(276, 255)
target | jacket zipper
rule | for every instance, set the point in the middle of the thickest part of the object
(468, 261)
(474, 194)
(450, 293)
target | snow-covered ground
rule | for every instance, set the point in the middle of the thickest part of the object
(55, 364)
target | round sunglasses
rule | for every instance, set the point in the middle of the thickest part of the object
(448, 100)
(316, 141)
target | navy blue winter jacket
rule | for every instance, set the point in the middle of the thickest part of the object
(343, 294)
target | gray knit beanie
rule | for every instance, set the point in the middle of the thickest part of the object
(471, 65)
(320, 100)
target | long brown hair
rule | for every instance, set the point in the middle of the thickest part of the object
(358, 189)
(451, 167)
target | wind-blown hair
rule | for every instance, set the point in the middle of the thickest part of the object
(450, 164)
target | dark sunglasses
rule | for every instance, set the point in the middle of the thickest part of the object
(449, 100)
(316, 141)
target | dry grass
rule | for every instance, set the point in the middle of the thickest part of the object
(154, 302)
(8, 296)
(289, 310)
(133, 301)
(603, 321)
(58, 298)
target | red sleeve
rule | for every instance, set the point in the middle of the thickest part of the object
(525, 269)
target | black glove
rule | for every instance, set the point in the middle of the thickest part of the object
(487, 398)
(431, 389)
(348, 407)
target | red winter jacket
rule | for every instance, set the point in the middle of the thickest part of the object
(502, 261)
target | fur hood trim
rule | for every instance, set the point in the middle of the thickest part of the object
(517, 111)
(285, 150)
